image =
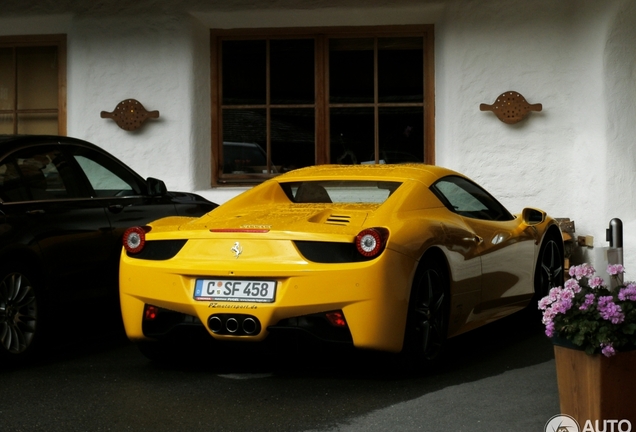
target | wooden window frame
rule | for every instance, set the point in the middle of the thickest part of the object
(321, 103)
(59, 41)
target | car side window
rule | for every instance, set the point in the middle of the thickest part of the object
(37, 174)
(467, 199)
(11, 186)
(106, 178)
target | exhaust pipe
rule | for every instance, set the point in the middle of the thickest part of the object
(231, 325)
(215, 324)
(249, 326)
(234, 324)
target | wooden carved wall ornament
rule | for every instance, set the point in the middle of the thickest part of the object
(510, 107)
(130, 114)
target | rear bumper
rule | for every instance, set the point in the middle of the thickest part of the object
(168, 325)
(372, 295)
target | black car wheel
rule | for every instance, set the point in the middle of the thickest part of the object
(549, 270)
(18, 311)
(427, 319)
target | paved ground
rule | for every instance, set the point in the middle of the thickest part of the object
(501, 377)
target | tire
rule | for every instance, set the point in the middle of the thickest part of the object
(550, 266)
(20, 313)
(427, 319)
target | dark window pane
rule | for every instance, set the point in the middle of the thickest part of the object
(37, 124)
(292, 71)
(244, 140)
(400, 70)
(293, 138)
(46, 174)
(6, 124)
(37, 78)
(401, 134)
(7, 86)
(244, 76)
(351, 135)
(351, 70)
(242, 158)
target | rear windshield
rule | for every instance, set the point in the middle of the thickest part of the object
(339, 191)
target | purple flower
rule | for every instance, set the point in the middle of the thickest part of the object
(562, 306)
(628, 293)
(549, 329)
(584, 292)
(609, 310)
(607, 349)
(615, 269)
(589, 301)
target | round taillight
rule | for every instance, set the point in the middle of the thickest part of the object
(370, 242)
(134, 239)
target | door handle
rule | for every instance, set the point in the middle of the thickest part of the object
(115, 208)
(37, 211)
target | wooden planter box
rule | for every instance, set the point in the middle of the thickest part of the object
(596, 387)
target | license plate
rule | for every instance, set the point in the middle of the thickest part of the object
(235, 290)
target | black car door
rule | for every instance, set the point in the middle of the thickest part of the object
(122, 193)
(47, 208)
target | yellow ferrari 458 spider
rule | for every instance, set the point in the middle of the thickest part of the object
(382, 257)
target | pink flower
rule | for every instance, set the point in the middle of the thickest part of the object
(615, 269)
(596, 282)
(573, 284)
(544, 303)
(581, 271)
(554, 294)
(548, 316)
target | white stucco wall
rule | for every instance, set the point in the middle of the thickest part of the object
(576, 57)
(553, 54)
(161, 62)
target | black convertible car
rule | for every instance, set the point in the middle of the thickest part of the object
(64, 205)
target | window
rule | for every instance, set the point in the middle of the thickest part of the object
(339, 191)
(33, 85)
(103, 181)
(37, 174)
(467, 199)
(106, 178)
(294, 98)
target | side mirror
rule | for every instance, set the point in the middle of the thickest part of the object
(156, 187)
(532, 216)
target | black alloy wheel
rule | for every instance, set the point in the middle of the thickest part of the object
(18, 311)
(549, 271)
(428, 311)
